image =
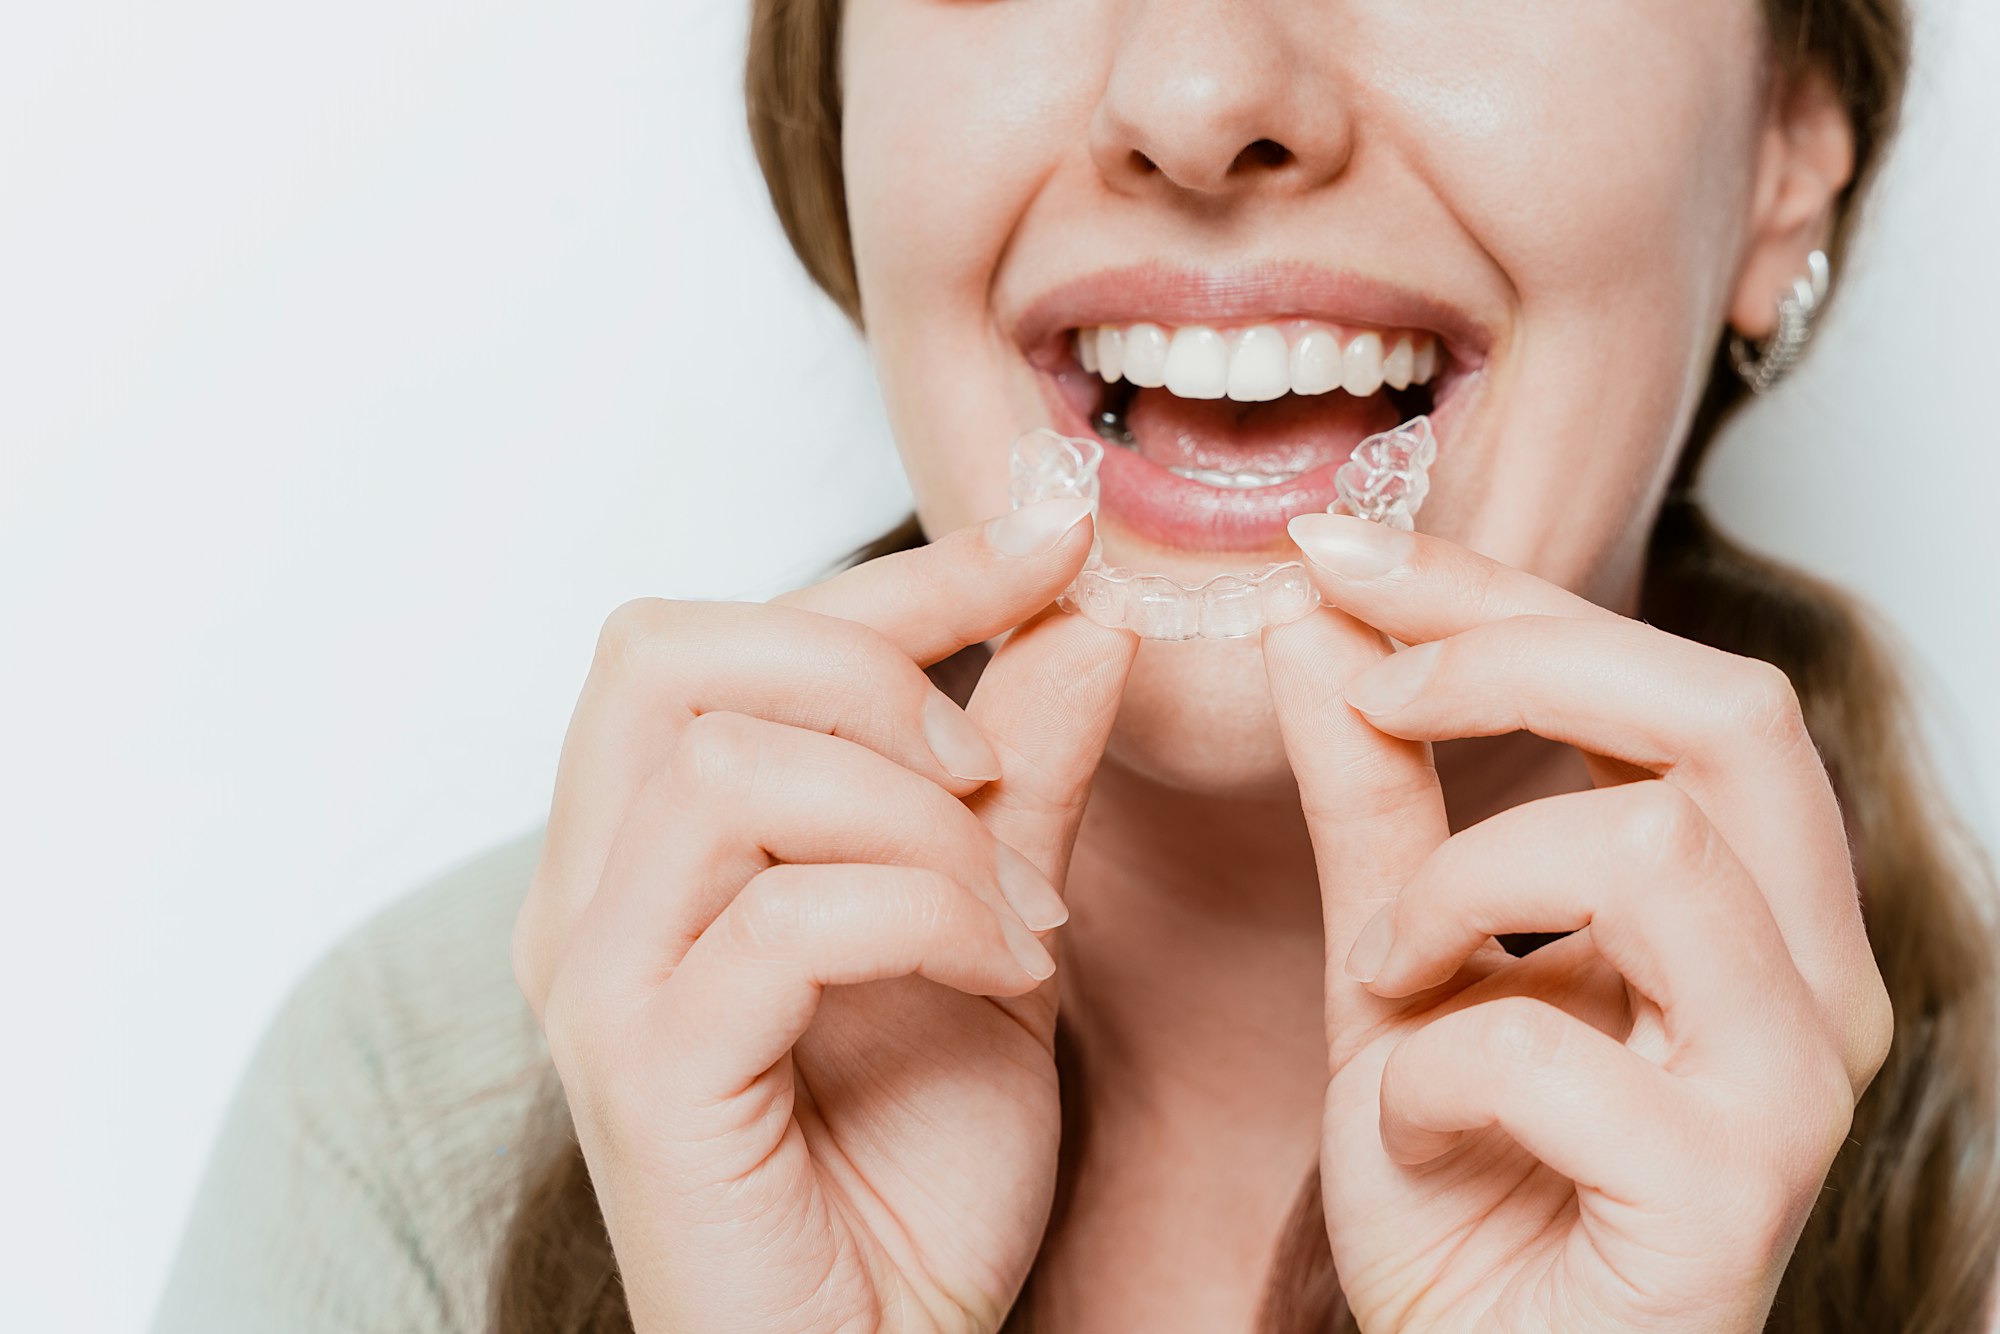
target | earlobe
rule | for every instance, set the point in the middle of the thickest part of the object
(1806, 160)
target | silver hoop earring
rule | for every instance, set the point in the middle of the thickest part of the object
(1762, 367)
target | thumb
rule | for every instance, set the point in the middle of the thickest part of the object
(1372, 801)
(1046, 701)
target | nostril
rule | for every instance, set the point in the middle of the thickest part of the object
(1264, 153)
(1143, 164)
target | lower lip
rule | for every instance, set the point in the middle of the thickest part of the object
(1142, 498)
(1175, 511)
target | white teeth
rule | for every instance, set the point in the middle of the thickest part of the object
(1361, 365)
(1110, 353)
(1238, 481)
(1398, 363)
(1146, 355)
(1258, 371)
(1256, 363)
(1197, 363)
(1315, 363)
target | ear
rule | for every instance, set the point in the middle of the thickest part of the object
(1806, 157)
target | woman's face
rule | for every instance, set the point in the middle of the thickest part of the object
(1558, 193)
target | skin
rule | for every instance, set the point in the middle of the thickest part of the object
(770, 936)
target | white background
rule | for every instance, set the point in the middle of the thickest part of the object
(356, 359)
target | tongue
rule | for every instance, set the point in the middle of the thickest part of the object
(1289, 434)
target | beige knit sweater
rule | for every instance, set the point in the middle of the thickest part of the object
(369, 1163)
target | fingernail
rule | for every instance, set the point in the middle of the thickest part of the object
(1371, 947)
(956, 741)
(1030, 892)
(1394, 681)
(1350, 547)
(1034, 530)
(1032, 954)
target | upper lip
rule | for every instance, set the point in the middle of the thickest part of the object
(1271, 290)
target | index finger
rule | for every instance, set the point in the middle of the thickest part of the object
(926, 603)
(1419, 587)
(964, 588)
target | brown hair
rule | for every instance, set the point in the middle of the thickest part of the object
(1905, 1233)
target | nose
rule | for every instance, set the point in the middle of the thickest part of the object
(1214, 98)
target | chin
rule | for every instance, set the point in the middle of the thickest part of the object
(1197, 717)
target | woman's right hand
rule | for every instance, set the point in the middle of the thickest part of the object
(757, 802)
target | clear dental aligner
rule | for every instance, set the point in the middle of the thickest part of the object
(1385, 479)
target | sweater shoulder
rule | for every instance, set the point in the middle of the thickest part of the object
(371, 1157)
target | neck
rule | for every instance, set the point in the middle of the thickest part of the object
(1192, 976)
(1194, 960)
(1193, 923)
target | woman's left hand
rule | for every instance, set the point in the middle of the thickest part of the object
(1625, 1129)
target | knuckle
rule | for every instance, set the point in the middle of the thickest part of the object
(1479, 588)
(928, 906)
(1379, 786)
(1522, 1031)
(716, 753)
(1663, 824)
(1444, 890)
(856, 669)
(769, 914)
(1836, 1103)
(631, 626)
(857, 649)
(1815, 1111)
(1874, 1031)
(1766, 705)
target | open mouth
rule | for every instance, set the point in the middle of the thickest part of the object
(1215, 436)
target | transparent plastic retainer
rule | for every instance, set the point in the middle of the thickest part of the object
(1385, 479)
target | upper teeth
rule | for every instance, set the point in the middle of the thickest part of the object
(1258, 363)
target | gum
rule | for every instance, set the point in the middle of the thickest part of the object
(1384, 479)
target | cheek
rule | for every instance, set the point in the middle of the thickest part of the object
(1601, 157)
(1589, 146)
(954, 118)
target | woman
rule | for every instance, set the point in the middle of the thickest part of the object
(1096, 985)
